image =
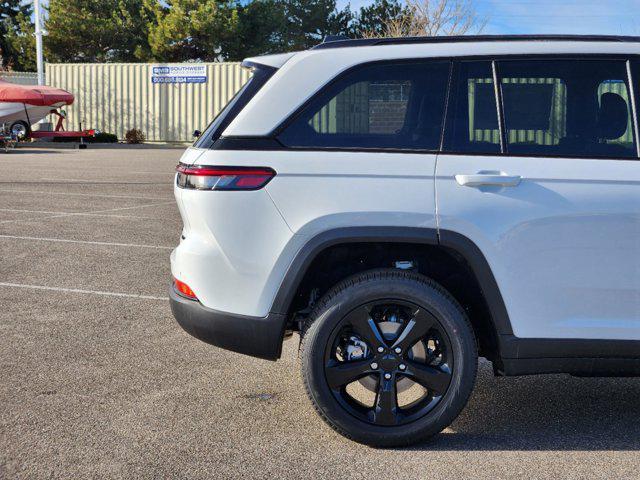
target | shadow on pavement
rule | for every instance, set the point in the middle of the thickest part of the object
(546, 412)
(33, 151)
(63, 147)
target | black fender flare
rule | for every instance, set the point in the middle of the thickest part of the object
(428, 236)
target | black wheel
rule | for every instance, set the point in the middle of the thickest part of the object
(20, 130)
(388, 358)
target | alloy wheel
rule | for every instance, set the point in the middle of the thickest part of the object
(385, 348)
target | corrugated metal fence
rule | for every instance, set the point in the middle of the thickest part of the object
(117, 97)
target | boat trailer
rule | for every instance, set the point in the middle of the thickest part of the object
(61, 132)
(43, 100)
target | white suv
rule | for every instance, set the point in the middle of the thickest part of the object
(411, 204)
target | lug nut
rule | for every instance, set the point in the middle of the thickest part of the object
(374, 366)
(380, 349)
(387, 376)
(402, 366)
(398, 350)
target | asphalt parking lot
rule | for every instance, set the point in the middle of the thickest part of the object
(98, 381)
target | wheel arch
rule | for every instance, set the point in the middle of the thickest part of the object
(450, 240)
(484, 275)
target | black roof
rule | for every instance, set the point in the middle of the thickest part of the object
(343, 42)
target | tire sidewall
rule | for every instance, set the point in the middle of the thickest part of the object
(411, 288)
(25, 125)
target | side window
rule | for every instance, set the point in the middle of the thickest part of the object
(392, 105)
(567, 108)
(472, 118)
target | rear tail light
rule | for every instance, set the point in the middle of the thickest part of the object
(223, 178)
(184, 289)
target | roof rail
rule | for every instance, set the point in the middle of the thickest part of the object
(334, 38)
(336, 42)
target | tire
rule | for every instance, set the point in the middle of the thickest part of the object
(449, 346)
(20, 126)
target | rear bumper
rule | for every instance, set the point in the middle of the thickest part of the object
(255, 336)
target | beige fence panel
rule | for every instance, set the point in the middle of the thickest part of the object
(116, 97)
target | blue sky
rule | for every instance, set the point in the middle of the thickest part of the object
(612, 17)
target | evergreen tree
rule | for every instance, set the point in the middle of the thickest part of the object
(188, 30)
(14, 15)
(261, 28)
(96, 31)
(181, 30)
(309, 21)
(371, 20)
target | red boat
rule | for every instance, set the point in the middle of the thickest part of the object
(24, 105)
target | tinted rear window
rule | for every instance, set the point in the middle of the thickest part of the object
(260, 76)
(377, 106)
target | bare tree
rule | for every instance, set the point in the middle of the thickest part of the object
(433, 17)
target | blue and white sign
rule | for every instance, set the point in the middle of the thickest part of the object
(179, 74)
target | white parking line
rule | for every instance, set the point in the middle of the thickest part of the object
(77, 290)
(86, 242)
(81, 194)
(107, 210)
(117, 209)
(81, 214)
(106, 182)
(90, 213)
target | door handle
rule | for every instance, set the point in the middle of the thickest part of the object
(488, 179)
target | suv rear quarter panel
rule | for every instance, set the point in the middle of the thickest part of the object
(231, 245)
(239, 245)
(317, 191)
